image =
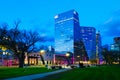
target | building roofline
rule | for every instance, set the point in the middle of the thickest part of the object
(67, 12)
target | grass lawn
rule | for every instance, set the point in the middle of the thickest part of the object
(8, 72)
(91, 73)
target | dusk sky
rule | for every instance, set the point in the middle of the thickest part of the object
(38, 15)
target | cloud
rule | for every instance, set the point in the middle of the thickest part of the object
(111, 27)
(46, 39)
(44, 28)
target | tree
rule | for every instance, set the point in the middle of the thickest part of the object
(116, 56)
(3, 33)
(24, 42)
(27, 42)
(108, 56)
(19, 41)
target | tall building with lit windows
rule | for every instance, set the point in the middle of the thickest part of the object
(88, 35)
(67, 31)
(98, 47)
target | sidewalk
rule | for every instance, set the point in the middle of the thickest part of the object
(36, 76)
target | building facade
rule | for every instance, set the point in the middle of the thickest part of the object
(6, 57)
(88, 35)
(116, 45)
(98, 47)
(67, 31)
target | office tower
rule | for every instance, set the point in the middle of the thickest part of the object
(98, 47)
(67, 31)
(88, 35)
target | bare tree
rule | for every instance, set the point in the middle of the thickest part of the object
(3, 31)
(19, 41)
(28, 40)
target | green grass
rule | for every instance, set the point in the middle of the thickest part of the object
(92, 73)
(9, 72)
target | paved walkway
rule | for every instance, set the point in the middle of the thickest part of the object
(37, 76)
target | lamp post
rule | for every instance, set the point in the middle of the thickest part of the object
(42, 52)
(41, 55)
(78, 56)
(67, 56)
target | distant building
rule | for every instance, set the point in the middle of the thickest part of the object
(88, 35)
(116, 49)
(67, 33)
(117, 40)
(44, 57)
(98, 47)
(116, 45)
(49, 55)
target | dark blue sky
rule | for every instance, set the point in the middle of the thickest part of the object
(38, 15)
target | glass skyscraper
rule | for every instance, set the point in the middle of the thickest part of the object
(73, 38)
(67, 31)
(88, 35)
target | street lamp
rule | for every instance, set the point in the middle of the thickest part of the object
(78, 56)
(67, 54)
(42, 52)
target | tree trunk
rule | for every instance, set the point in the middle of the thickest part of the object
(21, 60)
(21, 63)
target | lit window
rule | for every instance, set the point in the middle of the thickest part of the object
(90, 40)
(82, 30)
(86, 38)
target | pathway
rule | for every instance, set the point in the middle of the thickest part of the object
(37, 76)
